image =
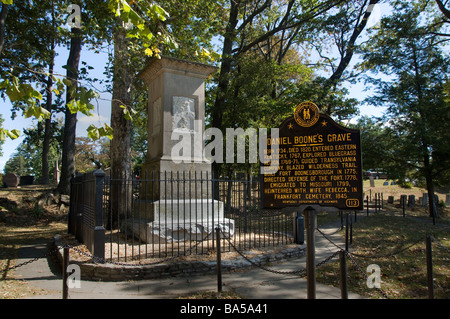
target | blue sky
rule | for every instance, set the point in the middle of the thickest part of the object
(103, 107)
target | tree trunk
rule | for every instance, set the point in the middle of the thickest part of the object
(68, 149)
(121, 143)
(3, 15)
(430, 186)
(48, 122)
(224, 76)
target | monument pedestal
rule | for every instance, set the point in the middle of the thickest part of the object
(163, 179)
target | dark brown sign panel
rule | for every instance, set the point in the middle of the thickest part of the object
(319, 163)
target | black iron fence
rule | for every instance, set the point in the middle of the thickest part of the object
(85, 215)
(171, 214)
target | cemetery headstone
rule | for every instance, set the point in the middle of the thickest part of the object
(403, 200)
(26, 180)
(425, 200)
(11, 180)
(411, 200)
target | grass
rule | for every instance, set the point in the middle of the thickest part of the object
(396, 191)
(403, 274)
(397, 246)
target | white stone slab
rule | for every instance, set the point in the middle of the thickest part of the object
(169, 210)
(158, 232)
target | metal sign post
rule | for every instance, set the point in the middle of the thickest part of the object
(310, 226)
(66, 257)
(219, 262)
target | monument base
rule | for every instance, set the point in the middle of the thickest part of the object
(187, 230)
(167, 221)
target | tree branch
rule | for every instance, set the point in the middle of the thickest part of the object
(283, 25)
(250, 18)
(350, 49)
(3, 15)
(443, 9)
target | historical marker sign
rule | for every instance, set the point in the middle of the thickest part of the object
(319, 163)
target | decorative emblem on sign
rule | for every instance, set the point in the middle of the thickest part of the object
(306, 114)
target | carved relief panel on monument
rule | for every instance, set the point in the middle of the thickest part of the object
(183, 110)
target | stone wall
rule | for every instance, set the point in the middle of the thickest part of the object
(116, 272)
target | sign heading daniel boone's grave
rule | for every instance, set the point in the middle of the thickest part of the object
(319, 163)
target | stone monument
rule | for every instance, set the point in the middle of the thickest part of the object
(176, 186)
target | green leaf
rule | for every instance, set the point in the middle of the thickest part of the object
(44, 113)
(36, 94)
(96, 133)
(59, 85)
(158, 12)
(125, 6)
(93, 132)
(36, 111)
(4, 84)
(106, 131)
(72, 105)
(128, 112)
(67, 82)
(13, 134)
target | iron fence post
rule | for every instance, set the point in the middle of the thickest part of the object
(367, 201)
(219, 262)
(310, 223)
(376, 203)
(429, 256)
(99, 230)
(346, 230)
(71, 208)
(403, 200)
(343, 263)
(351, 233)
